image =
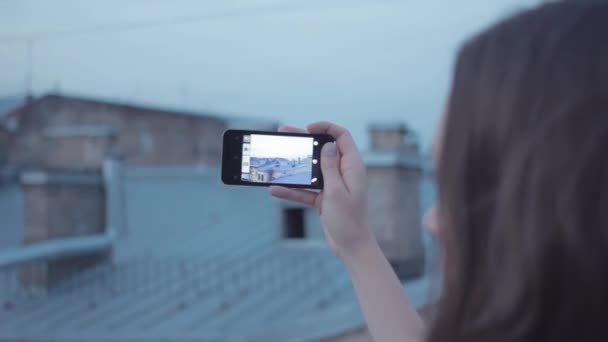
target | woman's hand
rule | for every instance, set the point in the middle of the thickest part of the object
(342, 204)
(390, 315)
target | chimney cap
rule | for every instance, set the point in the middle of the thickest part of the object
(389, 126)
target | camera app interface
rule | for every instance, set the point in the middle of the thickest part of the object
(278, 159)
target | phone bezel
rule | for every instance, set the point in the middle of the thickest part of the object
(232, 153)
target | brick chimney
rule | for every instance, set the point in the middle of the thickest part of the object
(61, 205)
(394, 172)
(68, 195)
(392, 137)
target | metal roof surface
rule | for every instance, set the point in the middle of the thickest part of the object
(197, 261)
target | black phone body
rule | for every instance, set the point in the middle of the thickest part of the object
(257, 158)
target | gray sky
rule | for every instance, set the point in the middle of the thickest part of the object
(349, 61)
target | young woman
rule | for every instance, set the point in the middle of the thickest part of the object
(522, 174)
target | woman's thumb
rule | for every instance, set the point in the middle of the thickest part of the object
(330, 164)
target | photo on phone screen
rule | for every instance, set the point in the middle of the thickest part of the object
(266, 158)
(277, 159)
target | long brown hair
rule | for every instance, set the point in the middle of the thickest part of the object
(523, 181)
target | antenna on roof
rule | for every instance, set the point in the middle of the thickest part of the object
(29, 94)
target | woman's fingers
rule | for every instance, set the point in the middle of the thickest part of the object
(290, 129)
(351, 166)
(345, 141)
(330, 167)
(305, 197)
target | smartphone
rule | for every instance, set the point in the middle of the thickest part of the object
(259, 158)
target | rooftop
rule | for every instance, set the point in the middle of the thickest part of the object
(197, 260)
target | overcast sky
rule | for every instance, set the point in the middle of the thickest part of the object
(294, 61)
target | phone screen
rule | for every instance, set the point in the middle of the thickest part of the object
(278, 159)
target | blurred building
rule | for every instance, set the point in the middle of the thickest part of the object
(123, 239)
(68, 132)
